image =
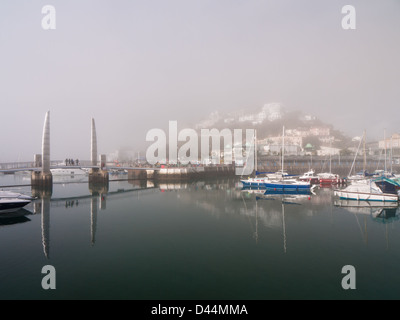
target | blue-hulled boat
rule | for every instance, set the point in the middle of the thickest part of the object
(287, 185)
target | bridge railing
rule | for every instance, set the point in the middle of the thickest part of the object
(30, 164)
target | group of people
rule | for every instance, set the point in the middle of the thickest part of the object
(71, 162)
(71, 203)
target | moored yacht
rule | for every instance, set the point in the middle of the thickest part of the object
(365, 190)
(254, 182)
(68, 171)
(310, 177)
(328, 178)
(287, 184)
(282, 180)
(12, 201)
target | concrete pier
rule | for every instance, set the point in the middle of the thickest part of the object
(139, 174)
(186, 173)
(97, 176)
(41, 179)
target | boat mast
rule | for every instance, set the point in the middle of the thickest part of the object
(354, 160)
(330, 158)
(283, 147)
(255, 151)
(365, 156)
(391, 154)
(384, 139)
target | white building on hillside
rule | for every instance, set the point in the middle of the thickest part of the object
(326, 151)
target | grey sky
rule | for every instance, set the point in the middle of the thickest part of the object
(134, 65)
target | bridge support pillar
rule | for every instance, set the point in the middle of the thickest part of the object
(137, 174)
(42, 183)
(97, 176)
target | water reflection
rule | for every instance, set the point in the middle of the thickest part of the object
(209, 232)
(97, 199)
(226, 197)
(277, 197)
(272, 212)
(379, 212)
(43, 205)
(93, 220)
(218, 197)
(268, 207)
(46, 225)
(386, 215)
(11, 218)
(383, 212)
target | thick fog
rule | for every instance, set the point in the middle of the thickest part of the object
(135, 65)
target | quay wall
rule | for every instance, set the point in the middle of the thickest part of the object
(186, 173)
(338, 165)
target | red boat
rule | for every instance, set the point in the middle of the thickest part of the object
(310, 176)
(329, 179)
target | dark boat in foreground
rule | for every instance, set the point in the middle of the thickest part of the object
(12, 201)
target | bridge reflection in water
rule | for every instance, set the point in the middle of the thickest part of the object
(216, 197)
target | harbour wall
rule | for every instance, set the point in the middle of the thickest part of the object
(187, 173)
(300, 164)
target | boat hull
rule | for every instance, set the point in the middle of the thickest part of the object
(287, 192)
(254, 183)
(331, 181)
(283, 186)
(361, 196)
(311, 180)
(12, 206)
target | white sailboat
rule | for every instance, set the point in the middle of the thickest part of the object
(283, 184)
(257, 181)
(329, 178)
(360, 175)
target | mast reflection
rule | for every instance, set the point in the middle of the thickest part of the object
(44, 194)
(93, 219)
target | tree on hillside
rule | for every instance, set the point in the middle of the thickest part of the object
(341, 140)
(345, 152)
(313, 140)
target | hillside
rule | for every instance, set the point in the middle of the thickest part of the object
(270, 120)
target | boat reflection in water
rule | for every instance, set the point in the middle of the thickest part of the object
(15, 217)
(383, 212)
(378, 212)
(283, 197)
(294, 192)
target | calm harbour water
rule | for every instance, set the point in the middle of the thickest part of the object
(195, 240)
